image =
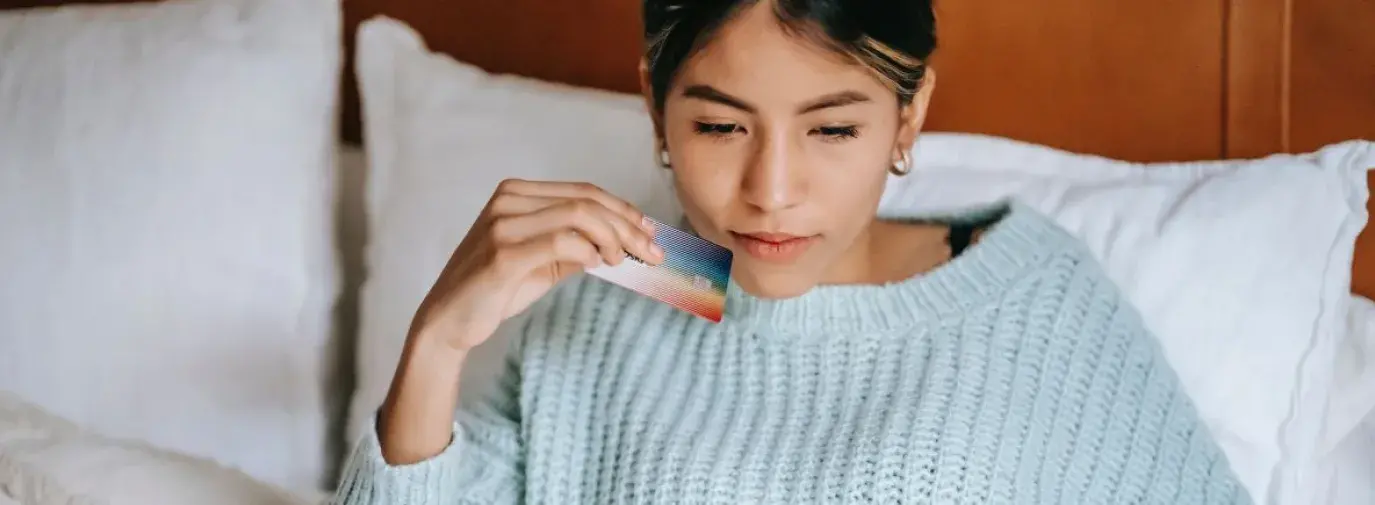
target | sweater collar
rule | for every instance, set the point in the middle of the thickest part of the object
(1016, 242)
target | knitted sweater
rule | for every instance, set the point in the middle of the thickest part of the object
(1015, 373)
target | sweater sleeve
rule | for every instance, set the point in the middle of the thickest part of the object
(1170, 454)
(483, 463)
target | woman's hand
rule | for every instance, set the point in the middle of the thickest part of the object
(530, 236)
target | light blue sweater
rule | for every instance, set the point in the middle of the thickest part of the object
(1016, 373)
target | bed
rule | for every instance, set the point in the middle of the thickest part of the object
(1136, 81)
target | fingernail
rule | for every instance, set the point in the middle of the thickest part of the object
(647, 223)
(658, 251)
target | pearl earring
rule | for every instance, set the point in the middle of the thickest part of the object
(662, 155)
(903, 166)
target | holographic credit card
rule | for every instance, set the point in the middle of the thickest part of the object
(692, 277)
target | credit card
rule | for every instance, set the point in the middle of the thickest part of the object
(692, 277)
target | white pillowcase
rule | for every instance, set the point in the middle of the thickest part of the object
(166, 202)
(1350, 406)
(440, 135)
(47, 460)
(1241, 267)
(1347, 473)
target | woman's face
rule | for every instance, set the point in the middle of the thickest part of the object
(780, 150)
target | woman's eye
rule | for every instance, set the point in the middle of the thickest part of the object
(837, 133)
(718, 129)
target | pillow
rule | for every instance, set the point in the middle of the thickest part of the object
(46, 460)
(1347, 472)
(1353, 399)
(166, 194)
(440, 135)
(1241, 267)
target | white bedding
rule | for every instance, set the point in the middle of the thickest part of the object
(47, 460)
(1349, 469)
(1353, 467)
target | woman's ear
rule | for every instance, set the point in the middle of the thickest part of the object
(914, 113)
(647, 90)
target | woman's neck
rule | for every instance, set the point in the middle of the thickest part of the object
(890, 251)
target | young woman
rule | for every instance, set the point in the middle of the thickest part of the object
(974, 358)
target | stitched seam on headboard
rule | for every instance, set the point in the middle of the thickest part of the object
(1226, 102)
(1286, 72)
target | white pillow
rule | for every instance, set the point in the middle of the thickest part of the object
(47, 460)
(166, 203)
(1241, 267)
(1354, 403)
(1347, 472)
(440, 135)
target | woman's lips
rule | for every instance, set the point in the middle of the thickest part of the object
(774, 247)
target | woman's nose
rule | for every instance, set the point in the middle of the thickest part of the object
(773, 179)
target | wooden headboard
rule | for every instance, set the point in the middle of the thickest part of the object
(1130, 79)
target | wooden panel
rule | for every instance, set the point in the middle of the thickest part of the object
(1301, 75)
(1126, 79)
(1332, 95)
(1092, 76)
(1257, 78)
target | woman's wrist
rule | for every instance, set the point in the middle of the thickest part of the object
(416, 421)
(435, 349)
(445, 339)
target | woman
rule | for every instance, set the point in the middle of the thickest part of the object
(979, 358)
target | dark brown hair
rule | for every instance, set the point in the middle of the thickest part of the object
(893, 38)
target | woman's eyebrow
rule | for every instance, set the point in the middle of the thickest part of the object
(830, 100)
(710, 94)
(838, 99)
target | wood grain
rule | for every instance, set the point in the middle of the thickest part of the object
(1257, 78)
(1333, 72)
(1131, 80)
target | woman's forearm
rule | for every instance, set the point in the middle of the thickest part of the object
(416, 420)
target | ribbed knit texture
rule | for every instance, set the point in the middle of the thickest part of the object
(1015, 373)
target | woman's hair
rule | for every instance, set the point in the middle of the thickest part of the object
(893, 38)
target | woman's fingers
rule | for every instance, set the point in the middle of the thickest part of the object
(572, 190)
(636, 241)
(575, 216)
(560, 251)
(512, 204)
(608, 231)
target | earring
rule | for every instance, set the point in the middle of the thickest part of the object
(903, 166)
(663, 159)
